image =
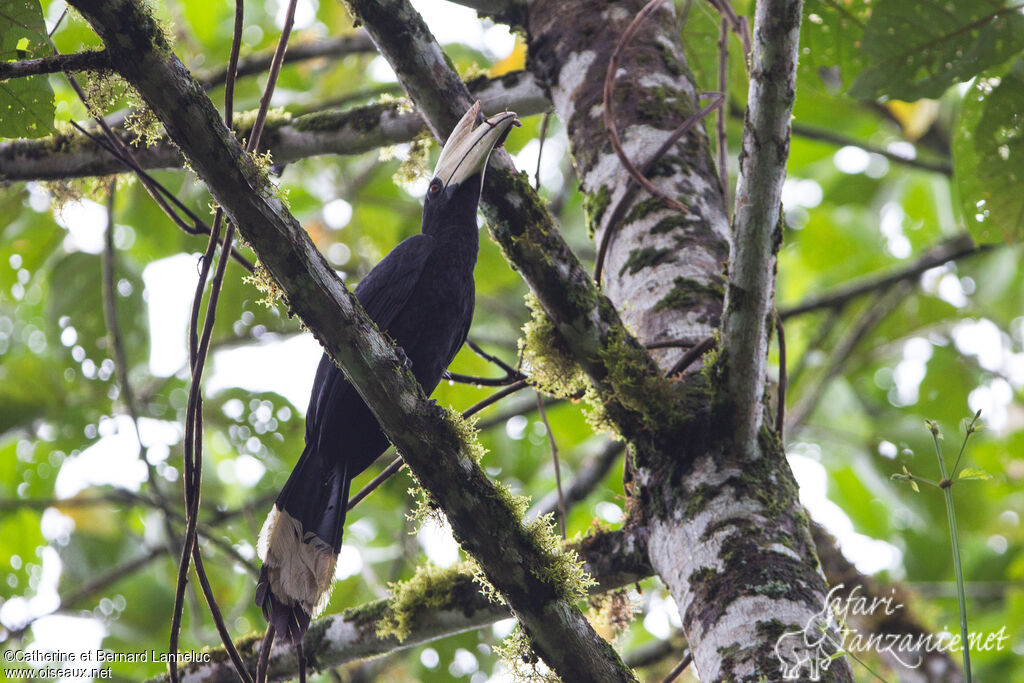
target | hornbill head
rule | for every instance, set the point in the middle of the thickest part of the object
(458, 177)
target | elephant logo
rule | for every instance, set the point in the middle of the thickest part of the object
(810, 649)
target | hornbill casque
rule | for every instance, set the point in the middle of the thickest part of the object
(421, 295)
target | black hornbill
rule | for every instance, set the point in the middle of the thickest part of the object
(421, 295)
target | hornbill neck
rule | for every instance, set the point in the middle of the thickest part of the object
(455, 219)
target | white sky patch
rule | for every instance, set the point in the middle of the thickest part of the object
(503, 629)
(902, 148)
(286, 367)
(17, 611)
(38, 197)
(248, 470)
(801, 192)
(982, 339)
(438, 543)
(951, 290)
(851, 160)
(662, 616)
(60, 633)
(451, 23)
(85, 221)
(429, 658)
(891, 225)
(609, 512)
(337, 214)
(350, 562)
(515, 428)
(992, 400)
(463, 663)
(381, 71)
(868, 554)
(551, 159)
(114, 459)
(305, 14)
(910, 371)
(170, 285)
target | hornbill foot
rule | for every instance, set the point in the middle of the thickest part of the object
(436, 408)
(403, 359)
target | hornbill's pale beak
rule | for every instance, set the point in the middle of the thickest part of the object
(469, 146)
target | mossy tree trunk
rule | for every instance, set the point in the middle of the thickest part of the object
(708, 481)
(727, 533)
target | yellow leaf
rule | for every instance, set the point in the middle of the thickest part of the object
(514, 62)
(915, 117)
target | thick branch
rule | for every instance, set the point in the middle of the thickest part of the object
(614, 559)
(756, 224)
(482, 516)
(620, 368)
(76, 61)
(338, 46)
(351, 131)
(950, 250)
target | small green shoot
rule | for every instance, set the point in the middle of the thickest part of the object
(946, 484)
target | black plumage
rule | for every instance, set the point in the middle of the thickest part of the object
(421, 295)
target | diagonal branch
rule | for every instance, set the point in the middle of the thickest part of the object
(950, 250)
(438, 450)
(618, 366)
(350, 131)
(337, 46)
(757, 228)
(614, 559)
(76, 61)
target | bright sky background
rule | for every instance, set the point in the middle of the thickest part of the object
(287, 366)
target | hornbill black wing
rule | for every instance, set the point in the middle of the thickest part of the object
(382, 294)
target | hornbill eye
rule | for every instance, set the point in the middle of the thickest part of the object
(435, 188)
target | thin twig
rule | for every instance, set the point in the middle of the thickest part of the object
(723, 140)
(482, 381)
(509, 370)
(398, 463)
(57, 23)
(679, 668)
(198, 350)
(114, 146)
(632, 187)
(588, 477)
(822, 332)
(275, 71)
(692, 355)
(885, 302)
(540, 150)
(780, 410)
(257, 63)
(738, 24)
(495, 397)
(372, 486)
(554, 457)
(950, 250)
(670, 344)
(75, 61)
(263, 663)
(609, 109)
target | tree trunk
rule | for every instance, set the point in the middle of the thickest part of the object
(727, 533)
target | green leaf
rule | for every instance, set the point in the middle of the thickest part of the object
(973, 473)
(26, 104)
(988, 151)
(920, 49)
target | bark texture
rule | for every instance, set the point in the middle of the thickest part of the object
(439, 451)
(350, 131)
(615, 559)
(727, 534)
(664, 271)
